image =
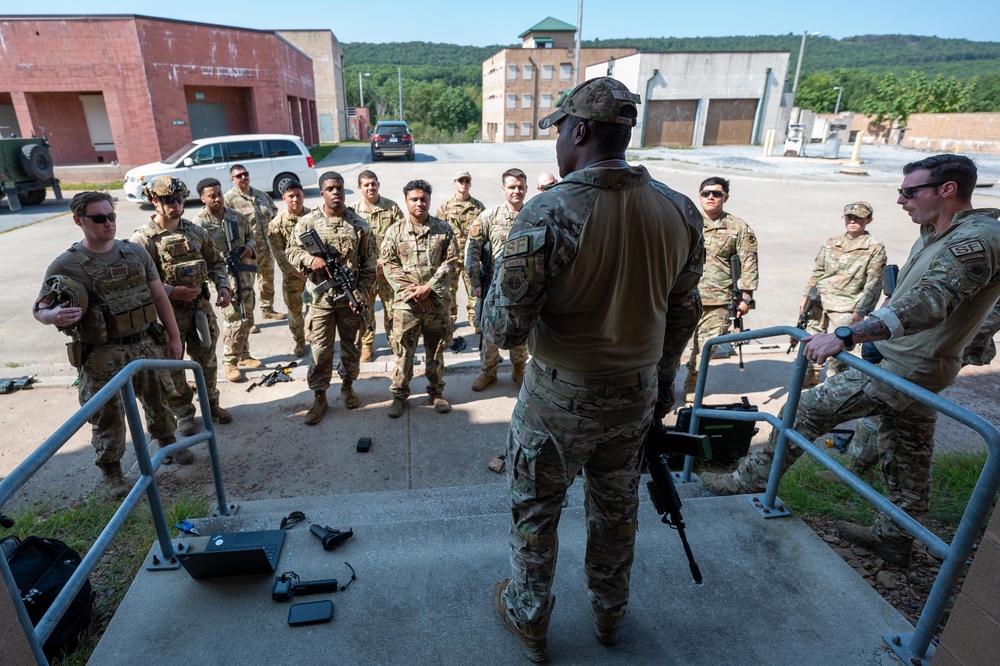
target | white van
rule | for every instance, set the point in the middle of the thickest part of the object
(272, 160)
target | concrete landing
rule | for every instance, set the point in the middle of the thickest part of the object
(427, 562)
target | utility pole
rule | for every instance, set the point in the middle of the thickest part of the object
(400, 70)
(576, 49)
(840, 91)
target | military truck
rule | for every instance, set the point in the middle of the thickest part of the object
(26, 172)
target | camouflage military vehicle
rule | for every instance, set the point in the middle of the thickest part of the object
(25, 172)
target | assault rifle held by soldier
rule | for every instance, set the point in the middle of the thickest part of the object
(812, 301)
(234, 265)
(340, 276)
(735, 298)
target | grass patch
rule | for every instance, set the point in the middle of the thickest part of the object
(98, 187)
(321, 150)
(12, 364)
(80, 525)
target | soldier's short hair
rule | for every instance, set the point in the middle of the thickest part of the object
(418, 184)
(206, 183)
(237, 167)
(291, 185)
(367, 174)
(513, 173)
(613, 137)
(78, 204)
(715, 180)
(329, 175)
(949, 167)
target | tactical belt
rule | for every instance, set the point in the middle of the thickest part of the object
(127, 339)
(621, 381)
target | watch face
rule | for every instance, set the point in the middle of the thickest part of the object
(844, 333)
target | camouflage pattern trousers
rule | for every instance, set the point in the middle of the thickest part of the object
(407, 327)
(462, 276)
(182, 400)
(384, 292)
(293, 288)
(821, 321)
(265, 269)
(556, 429)
(905, 440)
(323, 327)
(714, 322)
(236, 331)
(489, 356)
(108, 425)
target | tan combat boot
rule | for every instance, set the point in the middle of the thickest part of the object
(606, 626)
(367, 354)
(300, 349)
(315, 415)
(269, 313)
(811, 379)
(250, 362)
(397, 407)
(484, 379)
(220, 415)
(532, 637)
(517, 374)
(690, 384)
(187, 425)
(893, 551)
(115, 484)
(182, 457)
(351, 399)
(233, 374)
(441, 406)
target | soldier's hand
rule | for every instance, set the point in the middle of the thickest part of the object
(60, 316)
(855, 317)
(664, 402)
(743, 308)
(224, 298)
(184, 294)
(422, 297)
(822, 346)
(477, 292)
(318, 264)
(174, 350)
(247, 252)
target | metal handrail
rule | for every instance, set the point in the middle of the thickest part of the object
(120, 383)
(915, 645)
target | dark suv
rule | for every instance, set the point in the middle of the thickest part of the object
(392, 137)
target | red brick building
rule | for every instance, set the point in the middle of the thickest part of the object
(135, 88)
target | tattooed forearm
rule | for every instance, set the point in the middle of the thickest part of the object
(869, 330)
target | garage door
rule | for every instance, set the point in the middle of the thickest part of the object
(730, 122)
(670, 122)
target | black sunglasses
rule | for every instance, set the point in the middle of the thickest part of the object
(717, 194)
(170, 200)
(101, 219)
(465, 181)
(910, 192)
(241, 175)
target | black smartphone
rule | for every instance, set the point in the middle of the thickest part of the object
(312, 612)
(364, 444)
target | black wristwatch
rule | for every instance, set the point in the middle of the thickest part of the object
(845, 335)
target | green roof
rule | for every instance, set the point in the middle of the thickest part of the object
(549, 25)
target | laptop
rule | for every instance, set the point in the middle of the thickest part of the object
(235, 554)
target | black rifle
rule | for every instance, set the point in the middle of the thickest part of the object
(736, 297)
(660, 443)
(812, 301)
(283, 373)
(485, 277)
(869, 351)
(340, 276)
(234, 264)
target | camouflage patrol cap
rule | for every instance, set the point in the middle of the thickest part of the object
(600, 99)
(166, 186)
(858, 209)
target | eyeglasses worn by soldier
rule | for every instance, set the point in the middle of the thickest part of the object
(599, 276)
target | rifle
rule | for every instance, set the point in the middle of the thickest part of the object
(660, 443)
(812, 301)
(485, 277)
(736, 297)
(869, 351)
(283, 373)
(234, 265)
(341, 276)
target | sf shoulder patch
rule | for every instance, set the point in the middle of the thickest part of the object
(514, 282)
(967, 249)
(517, 246)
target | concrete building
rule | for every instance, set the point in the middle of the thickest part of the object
(328, 73)
(702, 99)
(134, 89)
(521, 85)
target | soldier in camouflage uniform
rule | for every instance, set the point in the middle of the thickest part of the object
(419, 255)
(107, 295)
(606, 337)
(331, 315)
(490, 231)
(380, 213)
(982, 349)
(257, 207)
(187, 260)
(461, 212)
(848, 275)
(235, 339)
(944, 292)
(281, 230)
(725, 236)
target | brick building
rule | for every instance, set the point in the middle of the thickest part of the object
(521, 85)
(135, 88)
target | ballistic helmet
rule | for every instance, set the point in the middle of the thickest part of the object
(67, 292)
(166, 186)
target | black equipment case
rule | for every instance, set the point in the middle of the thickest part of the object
(729, 439)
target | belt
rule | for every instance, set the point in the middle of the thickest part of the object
(621, 381)
(127, 339)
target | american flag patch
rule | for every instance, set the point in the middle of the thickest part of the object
(964, 249)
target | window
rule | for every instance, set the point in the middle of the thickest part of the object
(210, 154)
(526, 129)
(511, 127)
(512, 72)
(525, 101)
(527, 72)
(511, 101)
(281, 148)
(547, 72)
(546, 101)
(238, 151)
(565, 71)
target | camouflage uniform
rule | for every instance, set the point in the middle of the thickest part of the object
(587, 399)
(492, 226)
(328, 318)
(461, 215)
(235, 338)
(188, 257)
(412, 256)
(848, 275)
(982, 350)
(379, 217)
(258, 208)
(724, 237)
(280, 232)
(945, 289)
(108, 349)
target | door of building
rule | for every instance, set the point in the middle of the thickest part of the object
(730, 122)
(670, 122)
(207, 119)
(326, 128)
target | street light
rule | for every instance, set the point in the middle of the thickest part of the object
(798, 67)
(361, 87)
(840, 91)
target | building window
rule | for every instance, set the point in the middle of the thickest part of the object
(547, 72)
(525, 101)
(511, 128)
(511, 101)
(565, 71)
(545, 102)
(525, 129)
(512, 72)
(528, 72)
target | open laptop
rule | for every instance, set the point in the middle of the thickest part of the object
(236, 554)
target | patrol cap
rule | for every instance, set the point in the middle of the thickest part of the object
(462, 174)
(600, 99)
(858, 209)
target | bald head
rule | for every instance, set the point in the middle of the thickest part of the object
(545, 181)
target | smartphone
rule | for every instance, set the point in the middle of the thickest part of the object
(312, 612)
(364, 444)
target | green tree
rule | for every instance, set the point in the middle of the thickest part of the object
(454, 110)
(896, 99)
(816, 92)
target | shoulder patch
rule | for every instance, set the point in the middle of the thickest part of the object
(977, 270)
(963, 250)
(517, 246)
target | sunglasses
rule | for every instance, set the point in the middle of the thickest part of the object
(170, 200)
(713, 194)
(465, 181)
(241, 175)
(910, 192)
(101, 219)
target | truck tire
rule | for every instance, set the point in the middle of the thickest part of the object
(36, 161)
(32, 197)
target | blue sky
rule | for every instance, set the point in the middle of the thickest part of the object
(469, 22)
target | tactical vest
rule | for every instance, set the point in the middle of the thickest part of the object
(180, 262)
(121, 303)
(343, 237)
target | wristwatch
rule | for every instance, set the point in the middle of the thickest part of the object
(845, 335)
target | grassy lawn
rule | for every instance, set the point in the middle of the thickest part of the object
(320, 151)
